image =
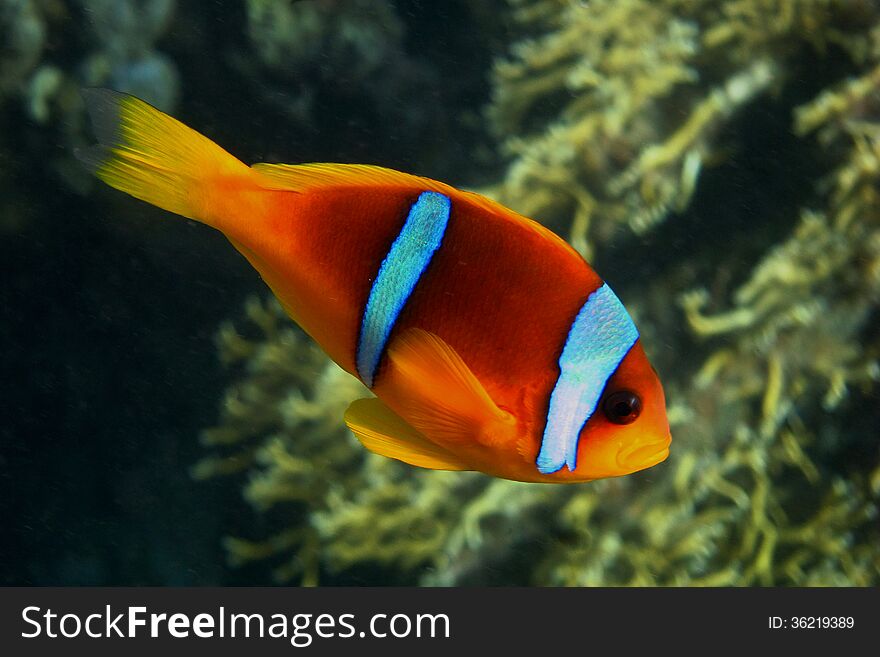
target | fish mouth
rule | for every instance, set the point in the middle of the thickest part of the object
(644, 456)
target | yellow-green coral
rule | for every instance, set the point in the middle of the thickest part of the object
(610, 110)
(632, 95)
(752, 506)
(282, 422)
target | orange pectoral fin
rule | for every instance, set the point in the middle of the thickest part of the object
(383, 432)
(439, 394)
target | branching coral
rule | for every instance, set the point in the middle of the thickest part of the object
(748, 499)
(629, 98)
(773, 479)
(797, 340)
(607, 82)
(282, 421)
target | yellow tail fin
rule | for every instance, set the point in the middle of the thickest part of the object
(156, 158)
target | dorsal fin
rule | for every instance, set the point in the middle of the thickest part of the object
(317, 176)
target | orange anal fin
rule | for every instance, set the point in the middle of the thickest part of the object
(444, 399)
(384, 432)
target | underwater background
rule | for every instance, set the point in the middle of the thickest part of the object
(717, 161)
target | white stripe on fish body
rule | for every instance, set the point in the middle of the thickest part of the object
(599, 339)
(399, 273)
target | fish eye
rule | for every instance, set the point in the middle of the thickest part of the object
(622, 407)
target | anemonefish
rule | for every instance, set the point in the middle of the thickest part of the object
(489, 343)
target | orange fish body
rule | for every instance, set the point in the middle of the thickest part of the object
(488, 341)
